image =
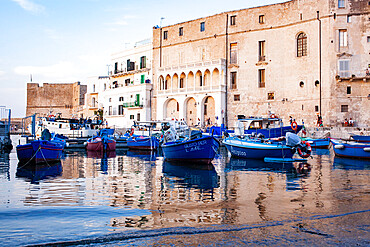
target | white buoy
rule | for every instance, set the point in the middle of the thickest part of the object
(339, 146)
(367, 149)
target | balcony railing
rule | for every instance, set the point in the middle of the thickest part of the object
(132, 104)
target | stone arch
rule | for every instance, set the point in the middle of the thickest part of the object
(191, 111)
(167, 82)
(208, 110)
(190, 84)
(160, 83)
(216, 77)
(175, 82)
(199, 80)
(182, 80)
(207, 78)
(171, 109)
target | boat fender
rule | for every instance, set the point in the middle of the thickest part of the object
(339, 146)
(67, 144)
(273, 116)
(305, 151)
(294, 126)
(85, 143)
(367, 149)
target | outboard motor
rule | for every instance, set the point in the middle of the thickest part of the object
(303, 147)
(292, 140)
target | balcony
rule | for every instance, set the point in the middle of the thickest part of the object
(132, 105)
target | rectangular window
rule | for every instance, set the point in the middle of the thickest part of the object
(261, 19)
(344, 68)
(142, 79)
(233, 20)
(94, 88)
(202, 26)
(316, 108)
(138, 117)
(181, 82)
(181, 31)
(132, 116)
(165, 34)
(349, 18)
(110, 110)
(127, 82)
(237, 97)
(261, 78)
(115, 67)
(120, 110)
(341, 3)
(344, 108)
(343, 38)
(349, 90)
(368, 39)
(261, 51)
(143, 62)
(233, 80)
(234, 53)
(271, 96)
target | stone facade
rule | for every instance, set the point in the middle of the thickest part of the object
(301, 58)
(64, 98)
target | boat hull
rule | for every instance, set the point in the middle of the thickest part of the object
(257, 150)
(360, 138)
(200, 150)
(318, 143)
(143, 143)
(351, 149)
(100, 145)
(39, 152)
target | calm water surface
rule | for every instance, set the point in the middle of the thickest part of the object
(86, 196)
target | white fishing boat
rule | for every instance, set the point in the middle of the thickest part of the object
(72, 128)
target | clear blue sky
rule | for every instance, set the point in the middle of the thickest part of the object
(63, 41)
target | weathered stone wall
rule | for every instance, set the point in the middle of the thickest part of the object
(296, 83)
(55, 98)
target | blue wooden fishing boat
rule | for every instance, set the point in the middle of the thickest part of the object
(271, 127)
(318, 142)
(351, 149)
(142, 142)
(361, 138)
(39, 151)
(195, 148)
(259, 148)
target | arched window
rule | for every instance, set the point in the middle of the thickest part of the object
(301, 45)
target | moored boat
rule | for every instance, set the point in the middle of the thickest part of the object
(351, 149)
(361, 138)
(271, 127)
(102, 142)
(39, 151)
(259, 148)
(142, 142)
(318, 142)
(197, 149)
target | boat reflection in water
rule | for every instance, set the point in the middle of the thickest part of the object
(292, 170)
(351, 164)
(38, 172)
(146, 155)
(104, 156)
(191, 175)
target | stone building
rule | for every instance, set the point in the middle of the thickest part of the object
(127, 96)
(54, 98)
(300, 58)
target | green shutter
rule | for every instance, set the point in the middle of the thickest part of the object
(137, 99)
(142, 78)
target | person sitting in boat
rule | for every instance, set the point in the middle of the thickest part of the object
(45, 135)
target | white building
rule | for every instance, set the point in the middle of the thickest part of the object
(127, 97)
(95, 85)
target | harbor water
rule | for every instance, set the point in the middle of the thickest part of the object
(136, 198)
